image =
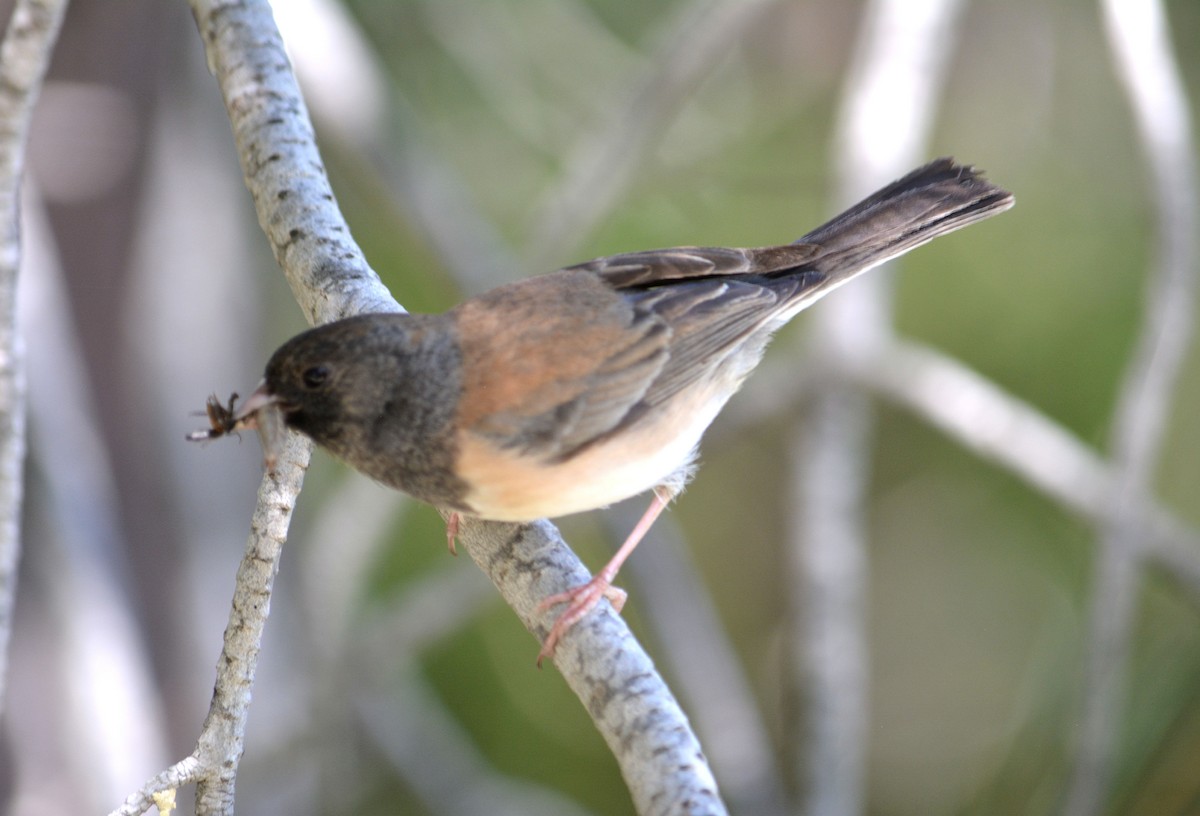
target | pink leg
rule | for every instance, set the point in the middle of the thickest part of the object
(582, 599)
(452, 533)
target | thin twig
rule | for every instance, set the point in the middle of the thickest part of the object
(607, 159)
(441, 764)
(112, 724)
(887, 112)
(24, 58)
(354, 103)
(699, 653)
(1000, 428)
(222, 737)
(1141, 44)
(184, 772)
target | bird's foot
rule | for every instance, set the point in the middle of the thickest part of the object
(452, 533)
(581, 600)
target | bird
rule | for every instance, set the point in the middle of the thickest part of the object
(574, 390)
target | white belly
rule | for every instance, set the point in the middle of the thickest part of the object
(633, 462)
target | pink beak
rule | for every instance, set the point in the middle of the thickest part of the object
(260, 399)
(261, 412)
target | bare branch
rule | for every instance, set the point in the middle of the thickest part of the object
(112, 725)
(1002, 429)
(607, 159)
(221, 739)
(886, 115)
(353, 104)
(184, 772)
(638, 717)
(281, 165)
(1141, 44)
(24, 57)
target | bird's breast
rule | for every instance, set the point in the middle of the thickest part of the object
(506, 485)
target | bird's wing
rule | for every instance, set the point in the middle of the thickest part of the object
(602, 343)
(551, 364)
(716, 301)
(598, 344)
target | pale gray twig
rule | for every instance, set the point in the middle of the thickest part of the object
(178, 338)
(607, 159)
(184, 772)
(887, 110)
(709, 675)
(24, 57)
(526, 87)
(112, 729)
(441, 764)
(1140, 40)
(353, 101)
(1000, 428)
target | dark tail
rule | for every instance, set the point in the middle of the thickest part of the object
(930, 201)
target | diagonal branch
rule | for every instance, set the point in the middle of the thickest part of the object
(607, 159)
(1002, 429)
(24, 58)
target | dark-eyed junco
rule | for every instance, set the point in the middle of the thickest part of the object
(580, 388)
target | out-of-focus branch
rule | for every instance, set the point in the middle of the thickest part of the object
(630, 704)
(1002, 429)
(24, 57)
(397, 711)
(416, 734)
(111, 726)
(352, 101)
(1141, 44)
(886, 114)
(997, 426)
(698, 652)
(608, 158)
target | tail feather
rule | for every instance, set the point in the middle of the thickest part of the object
(930, 201)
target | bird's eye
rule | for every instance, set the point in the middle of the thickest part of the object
(315, 376)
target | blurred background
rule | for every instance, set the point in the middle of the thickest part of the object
(477, 141)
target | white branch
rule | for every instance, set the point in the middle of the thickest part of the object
(1140, 40)
(356, 109)
(24, 57)
(112, 726)
(607, 159)
(1000, 428)
(886, 115)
